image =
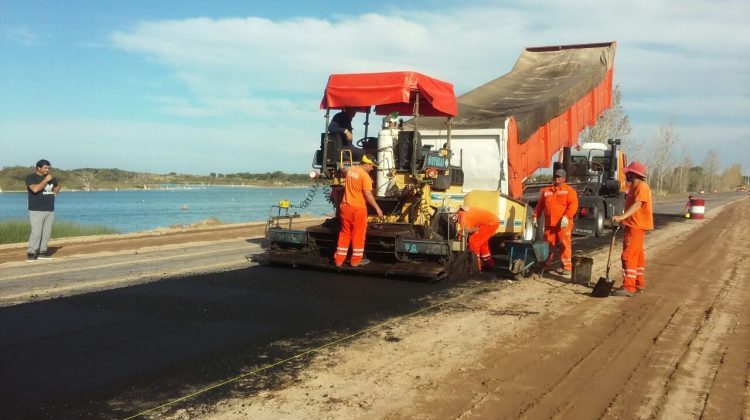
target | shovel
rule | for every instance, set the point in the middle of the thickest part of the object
(604, 285)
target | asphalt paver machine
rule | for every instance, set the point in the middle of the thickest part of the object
(417, 185)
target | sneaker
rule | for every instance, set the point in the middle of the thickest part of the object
(45, 255)
(622, 293)
(31, 257)
(364, 261)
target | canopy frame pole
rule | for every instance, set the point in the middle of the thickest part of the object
(326, 139)
(367, 121)
(414, 140)
(449, 123)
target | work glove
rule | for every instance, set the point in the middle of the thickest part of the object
(564, 222)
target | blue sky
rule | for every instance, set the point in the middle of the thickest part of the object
(234, 86)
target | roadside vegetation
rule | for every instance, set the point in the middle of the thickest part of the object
(91, 179)
(17, 231)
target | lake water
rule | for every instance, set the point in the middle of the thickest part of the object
(140, 210)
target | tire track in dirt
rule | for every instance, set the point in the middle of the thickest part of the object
(666, 384)
(673, 326)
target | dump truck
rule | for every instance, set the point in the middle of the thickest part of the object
(474, 150)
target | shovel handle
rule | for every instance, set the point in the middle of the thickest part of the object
(611, 246)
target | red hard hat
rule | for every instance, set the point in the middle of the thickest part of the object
(636, 168)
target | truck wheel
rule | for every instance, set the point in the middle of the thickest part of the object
(528, 228)
(539, 234)
(599, 230)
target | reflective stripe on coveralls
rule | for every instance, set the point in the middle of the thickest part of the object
(633, 259)
(354, 229)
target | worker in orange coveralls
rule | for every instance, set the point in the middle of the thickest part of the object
(637, 219)
(480, 225)
(560, 204)
(353, 212)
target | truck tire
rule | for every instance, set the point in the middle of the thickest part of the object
(528, 228)
(539, 234)
(599, 228)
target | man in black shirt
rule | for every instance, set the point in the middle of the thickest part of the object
(340, 129)
(42, 188)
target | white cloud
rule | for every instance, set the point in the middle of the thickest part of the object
(22, 35)
(684, 61)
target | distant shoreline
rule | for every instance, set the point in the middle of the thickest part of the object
(196, 187)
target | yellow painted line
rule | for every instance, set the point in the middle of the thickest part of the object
(312, 350)
(146, 259)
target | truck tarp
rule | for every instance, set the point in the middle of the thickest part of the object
(543, 84)
(549, 96)
(390, 92)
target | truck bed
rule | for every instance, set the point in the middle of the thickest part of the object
(549, 96)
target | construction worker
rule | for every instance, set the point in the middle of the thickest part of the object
(637, 219)
(686, 211)
(559, 202)
(353, 212)
(480, 225)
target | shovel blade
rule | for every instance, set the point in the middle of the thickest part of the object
(603, 287)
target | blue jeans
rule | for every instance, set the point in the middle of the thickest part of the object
(41, 229)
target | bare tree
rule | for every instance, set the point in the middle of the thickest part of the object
(732, 177)
(613, 124)
(711, 171)
(681, 174)
(85, 177)
(661, 155)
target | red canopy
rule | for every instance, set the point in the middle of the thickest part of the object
(390, 92)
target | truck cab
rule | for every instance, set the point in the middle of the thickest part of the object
(595, 170)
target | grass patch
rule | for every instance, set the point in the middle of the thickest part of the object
(17, 230)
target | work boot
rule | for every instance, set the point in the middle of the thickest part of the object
(30, 257)
(45, 255)
(364, 261)
(563, 272)
(488, 264)
(622, 293)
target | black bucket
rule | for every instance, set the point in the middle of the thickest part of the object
(582, 269)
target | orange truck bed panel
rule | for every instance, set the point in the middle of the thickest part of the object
(525, 158)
